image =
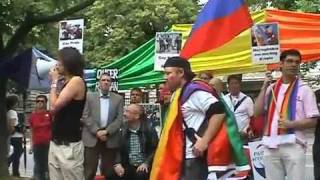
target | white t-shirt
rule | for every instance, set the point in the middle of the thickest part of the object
(13, 115)
(194, 112)
(243, 112)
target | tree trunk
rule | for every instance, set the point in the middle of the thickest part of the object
(7, 51)
(3, 130)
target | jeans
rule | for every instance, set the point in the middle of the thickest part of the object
(16, 142)
(40, 156)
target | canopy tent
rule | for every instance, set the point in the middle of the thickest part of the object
(297, 30)
(29, 69)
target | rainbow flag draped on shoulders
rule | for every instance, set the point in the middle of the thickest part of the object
(224, 151)
(287, 109)
(217, 23)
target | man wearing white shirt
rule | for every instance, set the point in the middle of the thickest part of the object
(102, 118)
(239, 103)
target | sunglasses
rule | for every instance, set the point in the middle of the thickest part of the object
(38, 101)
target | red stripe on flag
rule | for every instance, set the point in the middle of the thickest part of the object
(171, 165)
(217, 32)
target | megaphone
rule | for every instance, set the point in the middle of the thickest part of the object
(43, 67)
(39, 74)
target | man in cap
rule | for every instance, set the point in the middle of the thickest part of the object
(202, 116)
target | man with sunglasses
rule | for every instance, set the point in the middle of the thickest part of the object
(40, 126)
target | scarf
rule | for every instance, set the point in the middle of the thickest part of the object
(287, 110)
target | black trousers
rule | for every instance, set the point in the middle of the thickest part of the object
(195, 169)
(316, 158)
(91, 159)
(16, 142)
(40, 156)
(130, 173)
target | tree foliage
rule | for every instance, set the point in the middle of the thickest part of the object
(23, 23)
(312, 6)
(114, 28)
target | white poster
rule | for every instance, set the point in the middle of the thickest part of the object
(114, 78)
(265, 43)
(168, 44)
(71, 34)
(256, 155)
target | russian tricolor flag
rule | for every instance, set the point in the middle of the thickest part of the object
(218, 22)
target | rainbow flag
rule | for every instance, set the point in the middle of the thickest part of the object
(218, 22)
(288, 107)
(224, 151)
(168, 158)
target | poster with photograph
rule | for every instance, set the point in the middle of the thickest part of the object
(168, 44)
(265, 43)
(71, 34)
(256, 155)
(114, 73)
(153, 112)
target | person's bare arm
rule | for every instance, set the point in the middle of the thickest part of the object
(11, 125)
(259, 103)
(214, 126)
(73, 88)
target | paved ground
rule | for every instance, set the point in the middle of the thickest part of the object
(28, 171)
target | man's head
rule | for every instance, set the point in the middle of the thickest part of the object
(105, 82)
(177, 72)
(234, 84)
(205, 76)
(41, 102)
(217, 84)
(134, 113)
(136, 95)
(290, 62)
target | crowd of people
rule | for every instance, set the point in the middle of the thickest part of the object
(81, 128)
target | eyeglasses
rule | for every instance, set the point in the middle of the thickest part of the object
(135, 94)
(38, 101)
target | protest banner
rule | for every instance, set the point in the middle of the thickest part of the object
(71, 34)
(168, 44)
(265, 43)
(256, 157)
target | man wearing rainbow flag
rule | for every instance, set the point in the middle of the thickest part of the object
(289, 106)
(198, 135)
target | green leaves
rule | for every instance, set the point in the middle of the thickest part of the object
(312, 6)
(115, 28)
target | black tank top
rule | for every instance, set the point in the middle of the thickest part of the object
(66, 125)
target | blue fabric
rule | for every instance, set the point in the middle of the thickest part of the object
(215, 9)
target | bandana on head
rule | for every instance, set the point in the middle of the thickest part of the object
(178, 62)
